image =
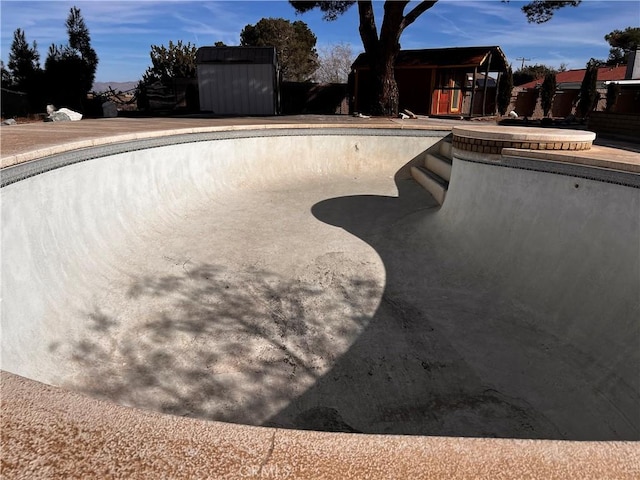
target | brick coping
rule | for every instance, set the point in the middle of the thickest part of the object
(492, 140)
(523, 134)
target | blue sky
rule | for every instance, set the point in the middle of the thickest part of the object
(123, 31)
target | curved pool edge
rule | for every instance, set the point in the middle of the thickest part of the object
(48, 431)
(93, 140)
(26, 144)
(62, 157)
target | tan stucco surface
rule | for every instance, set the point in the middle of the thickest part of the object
(51, 433)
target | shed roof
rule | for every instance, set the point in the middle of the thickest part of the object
(446, 57)
(229, 55)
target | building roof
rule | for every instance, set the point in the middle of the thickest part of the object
(446, 57)
(576, 76)
(232, 55)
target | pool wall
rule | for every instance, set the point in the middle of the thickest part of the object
(566, 247)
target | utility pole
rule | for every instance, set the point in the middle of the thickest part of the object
(523, 60)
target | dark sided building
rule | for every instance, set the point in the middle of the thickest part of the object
(238, 80)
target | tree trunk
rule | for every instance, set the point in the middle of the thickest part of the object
(386, 101)
(382, 51)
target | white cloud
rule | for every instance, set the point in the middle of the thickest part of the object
(211, 30)
(574, 34)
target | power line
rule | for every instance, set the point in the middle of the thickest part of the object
(523, 60)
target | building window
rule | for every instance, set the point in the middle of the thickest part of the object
(455, 87)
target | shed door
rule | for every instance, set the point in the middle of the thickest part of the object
(447, 97)
(444, 100)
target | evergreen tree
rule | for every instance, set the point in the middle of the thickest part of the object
(505, 86)
(588, 89)
(24, 73)
(295, 45)
(7, 79)
(80, 44)
(548, 92)
(24, 61)
(622, 43)
(70, 69)
(541, 11)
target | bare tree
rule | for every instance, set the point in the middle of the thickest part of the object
(334, 63)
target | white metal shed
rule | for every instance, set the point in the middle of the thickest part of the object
(238, 80)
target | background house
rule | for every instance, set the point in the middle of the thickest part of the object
(438, 82)
(629, 88)
(623, 119)
(526, 101)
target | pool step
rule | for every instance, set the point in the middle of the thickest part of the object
(446, 148)
(432, 182)
(439, 165)
(435, 174)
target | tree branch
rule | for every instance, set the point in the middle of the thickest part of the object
(416, 12)
(541, 11)
(368, 30)
(392, 25)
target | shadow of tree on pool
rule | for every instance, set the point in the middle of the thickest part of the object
(214, 344)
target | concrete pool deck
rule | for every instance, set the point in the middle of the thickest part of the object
(25, 142)
(33, 140)
(48, 431)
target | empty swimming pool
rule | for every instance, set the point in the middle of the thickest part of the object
(302, 279)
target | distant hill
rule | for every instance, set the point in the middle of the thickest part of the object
(100, 87)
